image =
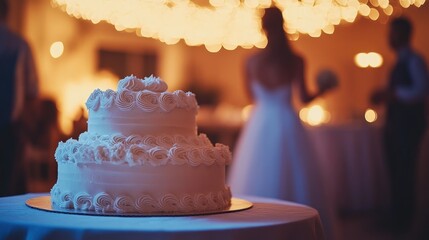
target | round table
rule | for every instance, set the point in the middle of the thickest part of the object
(267, 219)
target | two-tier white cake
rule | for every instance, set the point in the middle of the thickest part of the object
(141, 154)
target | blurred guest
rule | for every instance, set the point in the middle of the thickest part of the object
(19, 85)
(406, 122)
(420, 228)
(40, 135)
(274, 157)
(80, 124)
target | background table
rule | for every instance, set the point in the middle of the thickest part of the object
(350, 156)
(267, 219)
(352, 161)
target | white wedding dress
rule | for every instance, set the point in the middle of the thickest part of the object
(274, 156)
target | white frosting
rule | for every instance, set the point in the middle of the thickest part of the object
(169, 203)
(148, 97)
(141, 154)
(141, 106)
(135, 84)
(143, 150)
(118, 188)
(114, 121)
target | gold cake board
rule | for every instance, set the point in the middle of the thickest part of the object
(44, 203)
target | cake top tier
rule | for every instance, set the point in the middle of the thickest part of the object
(149, 94)
(142, 107)
(135, 84)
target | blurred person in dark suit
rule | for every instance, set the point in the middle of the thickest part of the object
(40, 134)
(19, 85)
(406, 100)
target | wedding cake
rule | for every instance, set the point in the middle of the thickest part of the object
(141, 154)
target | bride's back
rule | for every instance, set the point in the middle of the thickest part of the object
(276, 64)
(270, 78)
(273, 71)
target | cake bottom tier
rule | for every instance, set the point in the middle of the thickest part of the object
(109, 188)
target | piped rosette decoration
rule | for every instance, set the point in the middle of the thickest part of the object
(148, 94)
(141, 154)
(142, 150)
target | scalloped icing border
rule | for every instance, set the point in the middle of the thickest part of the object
(104, 202)
(145, 100)
(148, 150)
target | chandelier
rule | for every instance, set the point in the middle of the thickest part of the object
(226, 23)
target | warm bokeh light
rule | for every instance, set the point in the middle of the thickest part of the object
(314, 115)
(370, 115)
(56, 49)
(245, 112)
(373, 14)
(361, 61)
(76, 93)
(221, 23)
(376, 60)
(388, 10)
(371, 59)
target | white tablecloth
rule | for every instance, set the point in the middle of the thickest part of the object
(267, 219)
(351, 157)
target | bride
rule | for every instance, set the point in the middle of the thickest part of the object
(274, 157)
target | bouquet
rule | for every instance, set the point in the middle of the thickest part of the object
(326, 80)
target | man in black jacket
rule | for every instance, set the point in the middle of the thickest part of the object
(406, 99)
(18, 86)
